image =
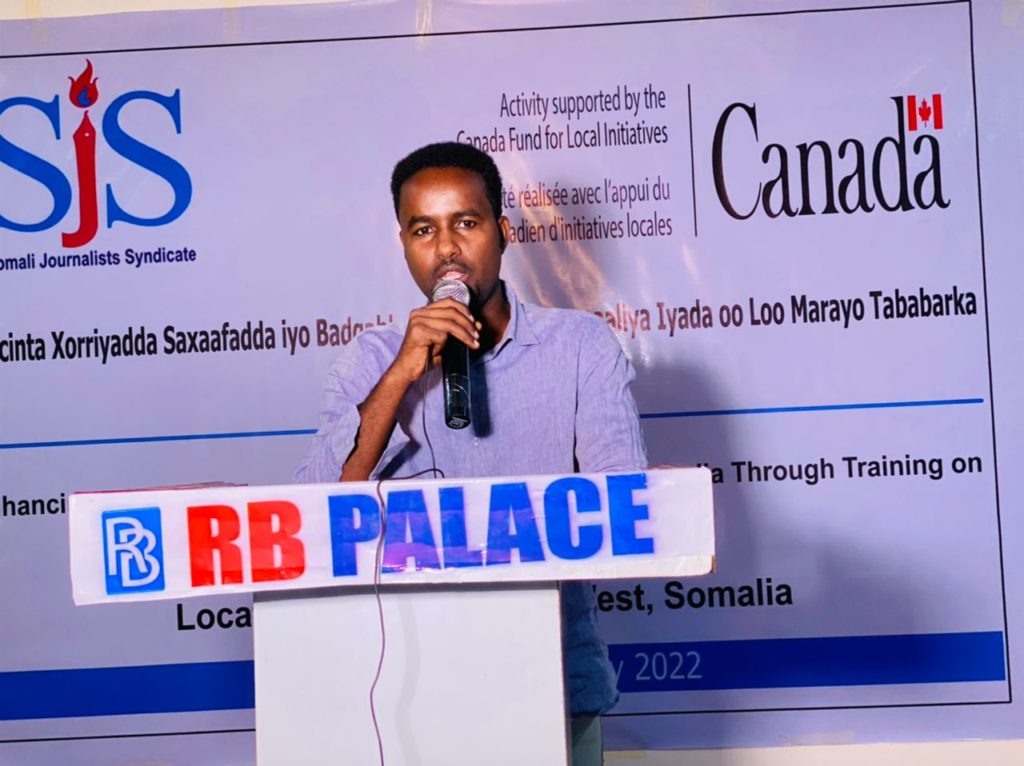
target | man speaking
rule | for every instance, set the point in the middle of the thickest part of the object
(548, 388)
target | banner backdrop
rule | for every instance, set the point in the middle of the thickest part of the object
(778, 208)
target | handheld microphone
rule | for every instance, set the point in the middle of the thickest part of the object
(454, 361)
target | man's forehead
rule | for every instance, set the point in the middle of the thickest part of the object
(442, 179)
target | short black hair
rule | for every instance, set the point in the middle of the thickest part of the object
(449, 154)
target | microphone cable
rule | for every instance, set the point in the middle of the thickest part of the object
(379, 554)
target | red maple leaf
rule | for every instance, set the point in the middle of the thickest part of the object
(924, 110)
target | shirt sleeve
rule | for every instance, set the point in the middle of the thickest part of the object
(608, 436)
(349, 382)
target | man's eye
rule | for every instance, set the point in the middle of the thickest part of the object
(467, 223)
(421, 231)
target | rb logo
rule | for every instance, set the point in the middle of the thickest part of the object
(84, 94)
(133, 550)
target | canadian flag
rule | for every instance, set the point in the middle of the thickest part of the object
(921, 113)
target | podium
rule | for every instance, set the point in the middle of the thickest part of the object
(458, 577)
(471, 675)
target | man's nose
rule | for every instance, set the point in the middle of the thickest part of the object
(446, 244)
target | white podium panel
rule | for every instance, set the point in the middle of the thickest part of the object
(472, 675)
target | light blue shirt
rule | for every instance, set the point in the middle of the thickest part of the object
(551, 397)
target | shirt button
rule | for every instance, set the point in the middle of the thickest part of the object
(476, 442)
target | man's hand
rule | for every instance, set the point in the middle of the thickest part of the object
(426, 333)
(428, 330)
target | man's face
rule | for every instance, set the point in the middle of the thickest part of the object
(448, 230)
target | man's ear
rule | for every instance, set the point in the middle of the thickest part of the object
(504, 229)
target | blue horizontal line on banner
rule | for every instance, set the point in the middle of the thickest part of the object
(812, 408)
(645, 416)
(173, 438)
(776, 663)
(177, 688)
(690, 666)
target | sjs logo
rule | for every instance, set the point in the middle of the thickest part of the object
(83, 94)
(133, 550)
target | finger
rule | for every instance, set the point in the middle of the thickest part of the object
(451, 303)
(456, 312)
(456, 327)
(444, 307)
(468, 323)
(433, 339)
(455, 330)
